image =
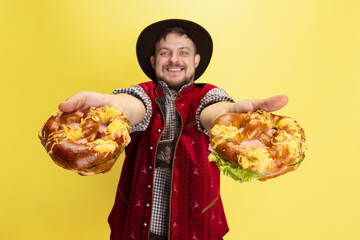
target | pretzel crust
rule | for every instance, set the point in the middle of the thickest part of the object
(78, 141)
(281, 138)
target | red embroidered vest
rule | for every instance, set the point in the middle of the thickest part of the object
(196, 210)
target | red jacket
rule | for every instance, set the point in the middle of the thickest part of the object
(196, 210)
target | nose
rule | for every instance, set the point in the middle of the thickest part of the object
(174, 58)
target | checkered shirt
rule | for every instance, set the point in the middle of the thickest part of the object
(162, 177)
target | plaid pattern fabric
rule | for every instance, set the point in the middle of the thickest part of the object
(162, 177)
(161, 203)
(137, 91)
(213, 96)
(160, 209)
(172, 118)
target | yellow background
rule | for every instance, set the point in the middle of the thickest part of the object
(307, 49)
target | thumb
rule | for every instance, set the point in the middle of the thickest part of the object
(77, 101)
(84, 100)
(68, 106)
(275, 103)
(268, 104)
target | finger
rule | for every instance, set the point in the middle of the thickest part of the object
(83, 101)
(268, 104)
(274, 103)
(73, 103)
(68, 106)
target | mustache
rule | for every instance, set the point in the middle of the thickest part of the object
(175, 65)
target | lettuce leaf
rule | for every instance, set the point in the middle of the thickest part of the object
(235, 172)
(298, 162)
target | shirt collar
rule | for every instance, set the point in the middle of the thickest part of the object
(166, 90)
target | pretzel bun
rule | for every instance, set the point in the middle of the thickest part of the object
(86, 142)
(261, 144)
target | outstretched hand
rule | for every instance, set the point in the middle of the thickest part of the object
(212, 112)
(131, 106)
(84, 100)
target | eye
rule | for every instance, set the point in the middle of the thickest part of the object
(164, 53)
(183, 52)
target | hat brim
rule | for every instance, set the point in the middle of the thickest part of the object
(147, 39)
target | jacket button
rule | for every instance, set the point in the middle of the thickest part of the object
(147, 205)
(144, 224)
(151, 148)
(148, 186)
(149, 167)
(159, 130)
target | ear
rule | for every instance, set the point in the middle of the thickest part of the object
(152, 61)
(197, 60)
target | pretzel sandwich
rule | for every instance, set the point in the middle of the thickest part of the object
(259, 144)
(86, 142)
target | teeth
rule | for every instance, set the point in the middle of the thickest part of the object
(174, 69)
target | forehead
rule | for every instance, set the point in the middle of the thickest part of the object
(175, 41)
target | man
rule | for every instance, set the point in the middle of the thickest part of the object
(168, 189)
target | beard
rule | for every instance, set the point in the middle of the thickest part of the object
(178, 84)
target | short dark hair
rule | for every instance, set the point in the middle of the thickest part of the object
(177, 30)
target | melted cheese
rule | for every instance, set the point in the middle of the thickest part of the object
(68, 133)
(256, 158)
(288, 122)
(291, 141)
(106, 114)
(102, 146)
(118, 126)
(73, 134)
(222, 133)
(115, 126)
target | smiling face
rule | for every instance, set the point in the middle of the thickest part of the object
(175, 60)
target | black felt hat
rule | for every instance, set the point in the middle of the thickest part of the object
(147, 39)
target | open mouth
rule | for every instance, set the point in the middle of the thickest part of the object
(174, 69)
